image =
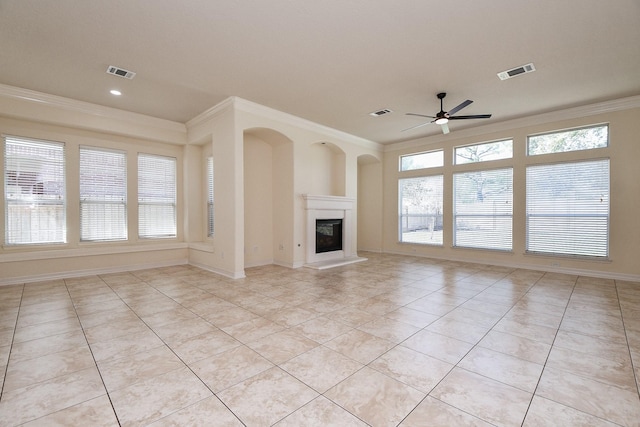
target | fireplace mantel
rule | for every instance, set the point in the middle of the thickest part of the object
(330, 207)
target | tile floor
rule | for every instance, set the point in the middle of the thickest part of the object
(390, 341)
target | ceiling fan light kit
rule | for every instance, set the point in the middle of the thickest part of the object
(442, 117)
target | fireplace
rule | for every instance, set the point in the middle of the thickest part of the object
(328, 235)
(330, 231)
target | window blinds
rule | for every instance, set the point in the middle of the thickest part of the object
(103, 195)
(210, 196)
(483, 209)
(34, 191)
(156, 196)
(568, 208)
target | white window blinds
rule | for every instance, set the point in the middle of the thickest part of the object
(34, 179)
(210, 196)
(483, 209)
(421, 205)
(156, 196)
(568, 208)
(103, 195)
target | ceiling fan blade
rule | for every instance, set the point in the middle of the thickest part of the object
(417, 126)
(419, 115)
(459, 107)
(445, 128)
(476, 116)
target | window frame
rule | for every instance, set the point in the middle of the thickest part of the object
(455, 151)
(422, 153)
(57, 191)
(528, 216)
(560, 131)
(437, 218)
(146, 202)
(455, 215)
(110, 199)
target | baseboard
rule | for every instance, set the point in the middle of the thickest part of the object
(89, 272)
(221, 272)
(550, 269)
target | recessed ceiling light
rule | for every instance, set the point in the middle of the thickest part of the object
(115, 92)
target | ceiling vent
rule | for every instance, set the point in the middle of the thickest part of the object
(380, 112)
(504, 75)
(120, 72)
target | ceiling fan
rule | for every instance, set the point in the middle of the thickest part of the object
(443, 117)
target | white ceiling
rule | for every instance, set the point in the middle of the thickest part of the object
(328, 61)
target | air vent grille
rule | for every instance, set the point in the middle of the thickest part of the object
(116, 71)
(523, 69)
(380, 112)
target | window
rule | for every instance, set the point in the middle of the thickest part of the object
(210, 196)
(569, 140)
(568, 208)
(103, 195)
(432, 159)
(156, 196)
(420, 216)
(484, 152)
(483, 209)
(34, 191)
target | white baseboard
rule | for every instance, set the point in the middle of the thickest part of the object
(550, 269)
(221, 272)
(89, 272)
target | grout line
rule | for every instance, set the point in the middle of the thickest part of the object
(13, 337)
(626, 336)
(91, 351)
(169, 347)
(544, 366)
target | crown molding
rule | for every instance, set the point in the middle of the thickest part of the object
(250, 107)
(538, 119)
(126, 123)
(289, 119)
(210, 113)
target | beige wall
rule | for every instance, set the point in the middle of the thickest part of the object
(624, 152)
(224, 252)
(369, 204)
(23, 263)
(311, 168)
(267, 158)
(258, 201)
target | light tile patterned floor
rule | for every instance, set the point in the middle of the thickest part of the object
(391, 341)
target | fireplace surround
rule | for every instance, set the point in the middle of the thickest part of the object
(335, 209)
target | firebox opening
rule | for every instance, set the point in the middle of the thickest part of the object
(328, 235)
